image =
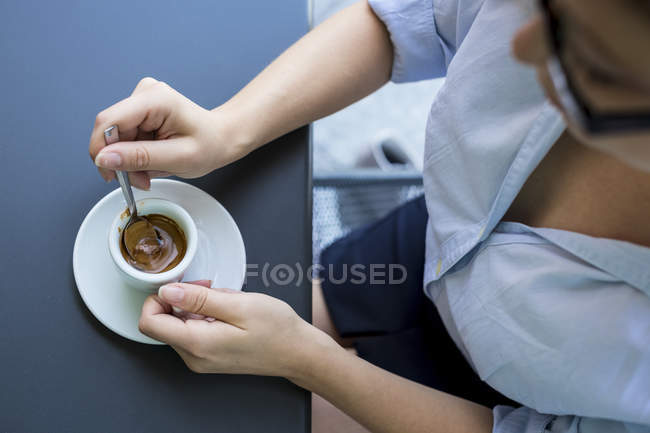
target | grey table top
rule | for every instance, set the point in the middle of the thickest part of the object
(62, 62)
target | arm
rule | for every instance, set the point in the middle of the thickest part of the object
(339, 62)
(258, 334)
(384, 402)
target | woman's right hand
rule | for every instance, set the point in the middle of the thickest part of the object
(163, 133)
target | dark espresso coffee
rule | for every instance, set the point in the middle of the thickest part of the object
(153, 244)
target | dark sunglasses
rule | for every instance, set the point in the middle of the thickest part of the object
(574, 103)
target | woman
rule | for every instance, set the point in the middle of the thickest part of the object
(536, 251)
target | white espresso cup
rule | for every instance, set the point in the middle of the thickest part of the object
(143, 280)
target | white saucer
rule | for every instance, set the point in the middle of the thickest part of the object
(220, 255)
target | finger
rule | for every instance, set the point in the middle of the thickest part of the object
(107, 175)
(130, 111)
(184, 314)
(154, 305)
(144, 84)
(157, 323)
(157, 173)
(171, 155)
(203, 337)
(187, 316)
(530, 44)
(204, 283)
(165, 328)
(225, 290)
(140, 180)
(144, 135)
(146, 111)
(224, 305)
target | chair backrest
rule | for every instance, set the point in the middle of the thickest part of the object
(346, 200)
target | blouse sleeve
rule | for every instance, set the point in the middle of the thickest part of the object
(527, 420)
(424, 33)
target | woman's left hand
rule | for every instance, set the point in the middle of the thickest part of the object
(253, 333)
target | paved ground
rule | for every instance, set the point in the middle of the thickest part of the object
(341, 138)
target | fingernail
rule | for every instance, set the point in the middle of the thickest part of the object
(171, 293)
(108, 175)
(108, 160)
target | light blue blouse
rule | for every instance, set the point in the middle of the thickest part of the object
(556, 320)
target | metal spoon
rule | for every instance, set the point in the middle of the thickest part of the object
(112, 135)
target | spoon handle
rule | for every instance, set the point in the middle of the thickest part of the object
(112, 135)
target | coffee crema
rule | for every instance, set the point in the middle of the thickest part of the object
(153, 244)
